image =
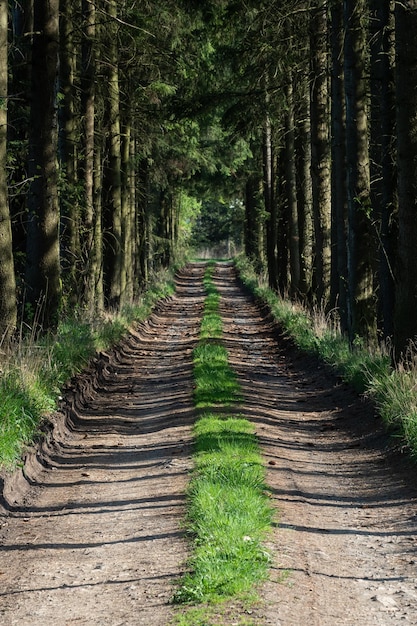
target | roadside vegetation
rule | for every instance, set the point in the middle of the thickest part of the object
(367, 367)
(229, 510)
(36, 368)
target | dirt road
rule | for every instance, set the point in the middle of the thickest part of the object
(94, 537)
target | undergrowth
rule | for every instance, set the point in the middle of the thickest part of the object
(33, 373)
(229, 512)
(368, 368)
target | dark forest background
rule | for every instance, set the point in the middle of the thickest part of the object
(130, 131)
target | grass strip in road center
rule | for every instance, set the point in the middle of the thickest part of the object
(229, 510)
(215, 381)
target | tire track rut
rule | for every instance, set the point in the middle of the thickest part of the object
(97, 538)
(93, 534)
(345, 550)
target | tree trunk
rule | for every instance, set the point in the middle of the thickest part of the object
(97, 269)
(361, 243)
(339, 280)
(18, 110)
(320, 141)
(68, 143)
(253, 229)
(406, 97)
(304, 189)
(132, 276)
(383, 173)
(115, 195)
(88, 112)
(126, 274)
(270, 205)
(143, 244)
(8, 307)
(43, 284)
(282, 225)
(291, 191)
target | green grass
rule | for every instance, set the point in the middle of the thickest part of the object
(367, 368)
(211, 325)
(215, 381)
(395, 394)
(34, 374)
(229, 512)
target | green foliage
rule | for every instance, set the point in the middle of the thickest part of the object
(218, 221)
(189, 210)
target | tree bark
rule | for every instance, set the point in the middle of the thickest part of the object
(89, 46)
(270, 204)
(127, 200)
(291, 191)
(406, 97)
(320, 163)
(383, 172)
(143, 217)
(361, 243)
(43, 281)
(8, 307)
(115, 191)
(253, 226)
(304, 188)
(20, 51)
(339, 281)
(68, 150)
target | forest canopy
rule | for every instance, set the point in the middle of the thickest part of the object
(131, 130)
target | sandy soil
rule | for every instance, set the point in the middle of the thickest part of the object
(91, 531)
(97, 538)
(345, 547)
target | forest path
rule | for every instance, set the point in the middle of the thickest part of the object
(96, 538)
(345, 545)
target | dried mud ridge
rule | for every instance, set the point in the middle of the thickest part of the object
(92, 529)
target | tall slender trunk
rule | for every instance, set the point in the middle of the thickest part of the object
(270, 205)
(320, 141)
(126, 289)
(97, 245)
(253, 228)
(115, 284)
(88, 109)
(8, 308)
(304, 189)
(291, 191)
(43, 284)
(132, 238)
(406, 98)
(282, 224)
(18, 108)
(143, 217)
(339, 279)
(361, 243)
(383, 178)
(69, 134)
